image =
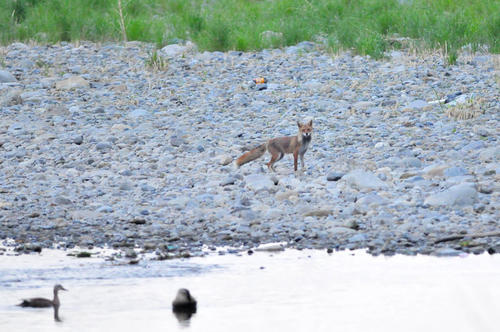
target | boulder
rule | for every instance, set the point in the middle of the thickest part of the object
(458, 195)
(363, 180)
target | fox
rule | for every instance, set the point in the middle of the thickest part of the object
(278, 147)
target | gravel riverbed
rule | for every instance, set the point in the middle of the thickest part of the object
(98, 148)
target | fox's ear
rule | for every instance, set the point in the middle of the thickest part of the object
(311, 123)
(299, 124)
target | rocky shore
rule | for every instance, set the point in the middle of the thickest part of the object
(110, 145)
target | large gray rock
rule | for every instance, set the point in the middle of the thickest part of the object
(363, 180)
(458, 195)
(435, 170)
(455, 171)
(137, 113)
(370, 201)
(257, 182)
(417, 104)
(176, 50)
(13, 97)
(6, 77)
(490, 154)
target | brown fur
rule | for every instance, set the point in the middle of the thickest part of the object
(278, 147)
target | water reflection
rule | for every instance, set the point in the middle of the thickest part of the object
(184, 306)
(56, 314)
(184, 316)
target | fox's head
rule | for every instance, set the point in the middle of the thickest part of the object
(305, 129)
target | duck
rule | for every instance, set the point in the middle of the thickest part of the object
(184, 301)
(40, 302)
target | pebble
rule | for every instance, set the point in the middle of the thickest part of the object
(114, 140)
(447, 252)
(334, 176)
(6, 77)
(73, 82)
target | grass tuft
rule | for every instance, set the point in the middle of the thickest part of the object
(156, 62)
(471, 108)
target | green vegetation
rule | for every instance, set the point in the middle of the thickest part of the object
(368, 26)
(156, 62)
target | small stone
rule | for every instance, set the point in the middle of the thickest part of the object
(271, 247)
(447, 252)
(490, 154)
(473, 146)
(12, 98)
(417, 105)
(318, 213)
(74, 82)
(30, 247)
(411, 162)
(130, 253)
(479, 208)
(62, 201)
(6, 77)
(449, 98)
(485, 189)
(78, 140)
(455, 171)
(103, 146)
(105, 209)
(358, 238)
(224, 159)
(138, 221)
(260, 87)
(334, 176)
(126, 186)
(481, 131)
(176, 141)
(228, 181)
(435, 170)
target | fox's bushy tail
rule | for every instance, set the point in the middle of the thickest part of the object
(251, 155)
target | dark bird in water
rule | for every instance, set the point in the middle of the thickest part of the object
(40, 302)
(184, 305)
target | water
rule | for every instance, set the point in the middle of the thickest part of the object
(286, 291)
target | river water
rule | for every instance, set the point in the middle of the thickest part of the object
(285, 291)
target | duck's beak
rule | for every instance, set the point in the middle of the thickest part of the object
(64, 289)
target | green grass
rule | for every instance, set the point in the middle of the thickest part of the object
(362, 25)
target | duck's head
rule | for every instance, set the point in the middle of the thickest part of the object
(59, 287)
(184, 297)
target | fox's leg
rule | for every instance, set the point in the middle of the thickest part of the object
(277, 156)
(274, 158)
(302, 161)
(295, 159)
